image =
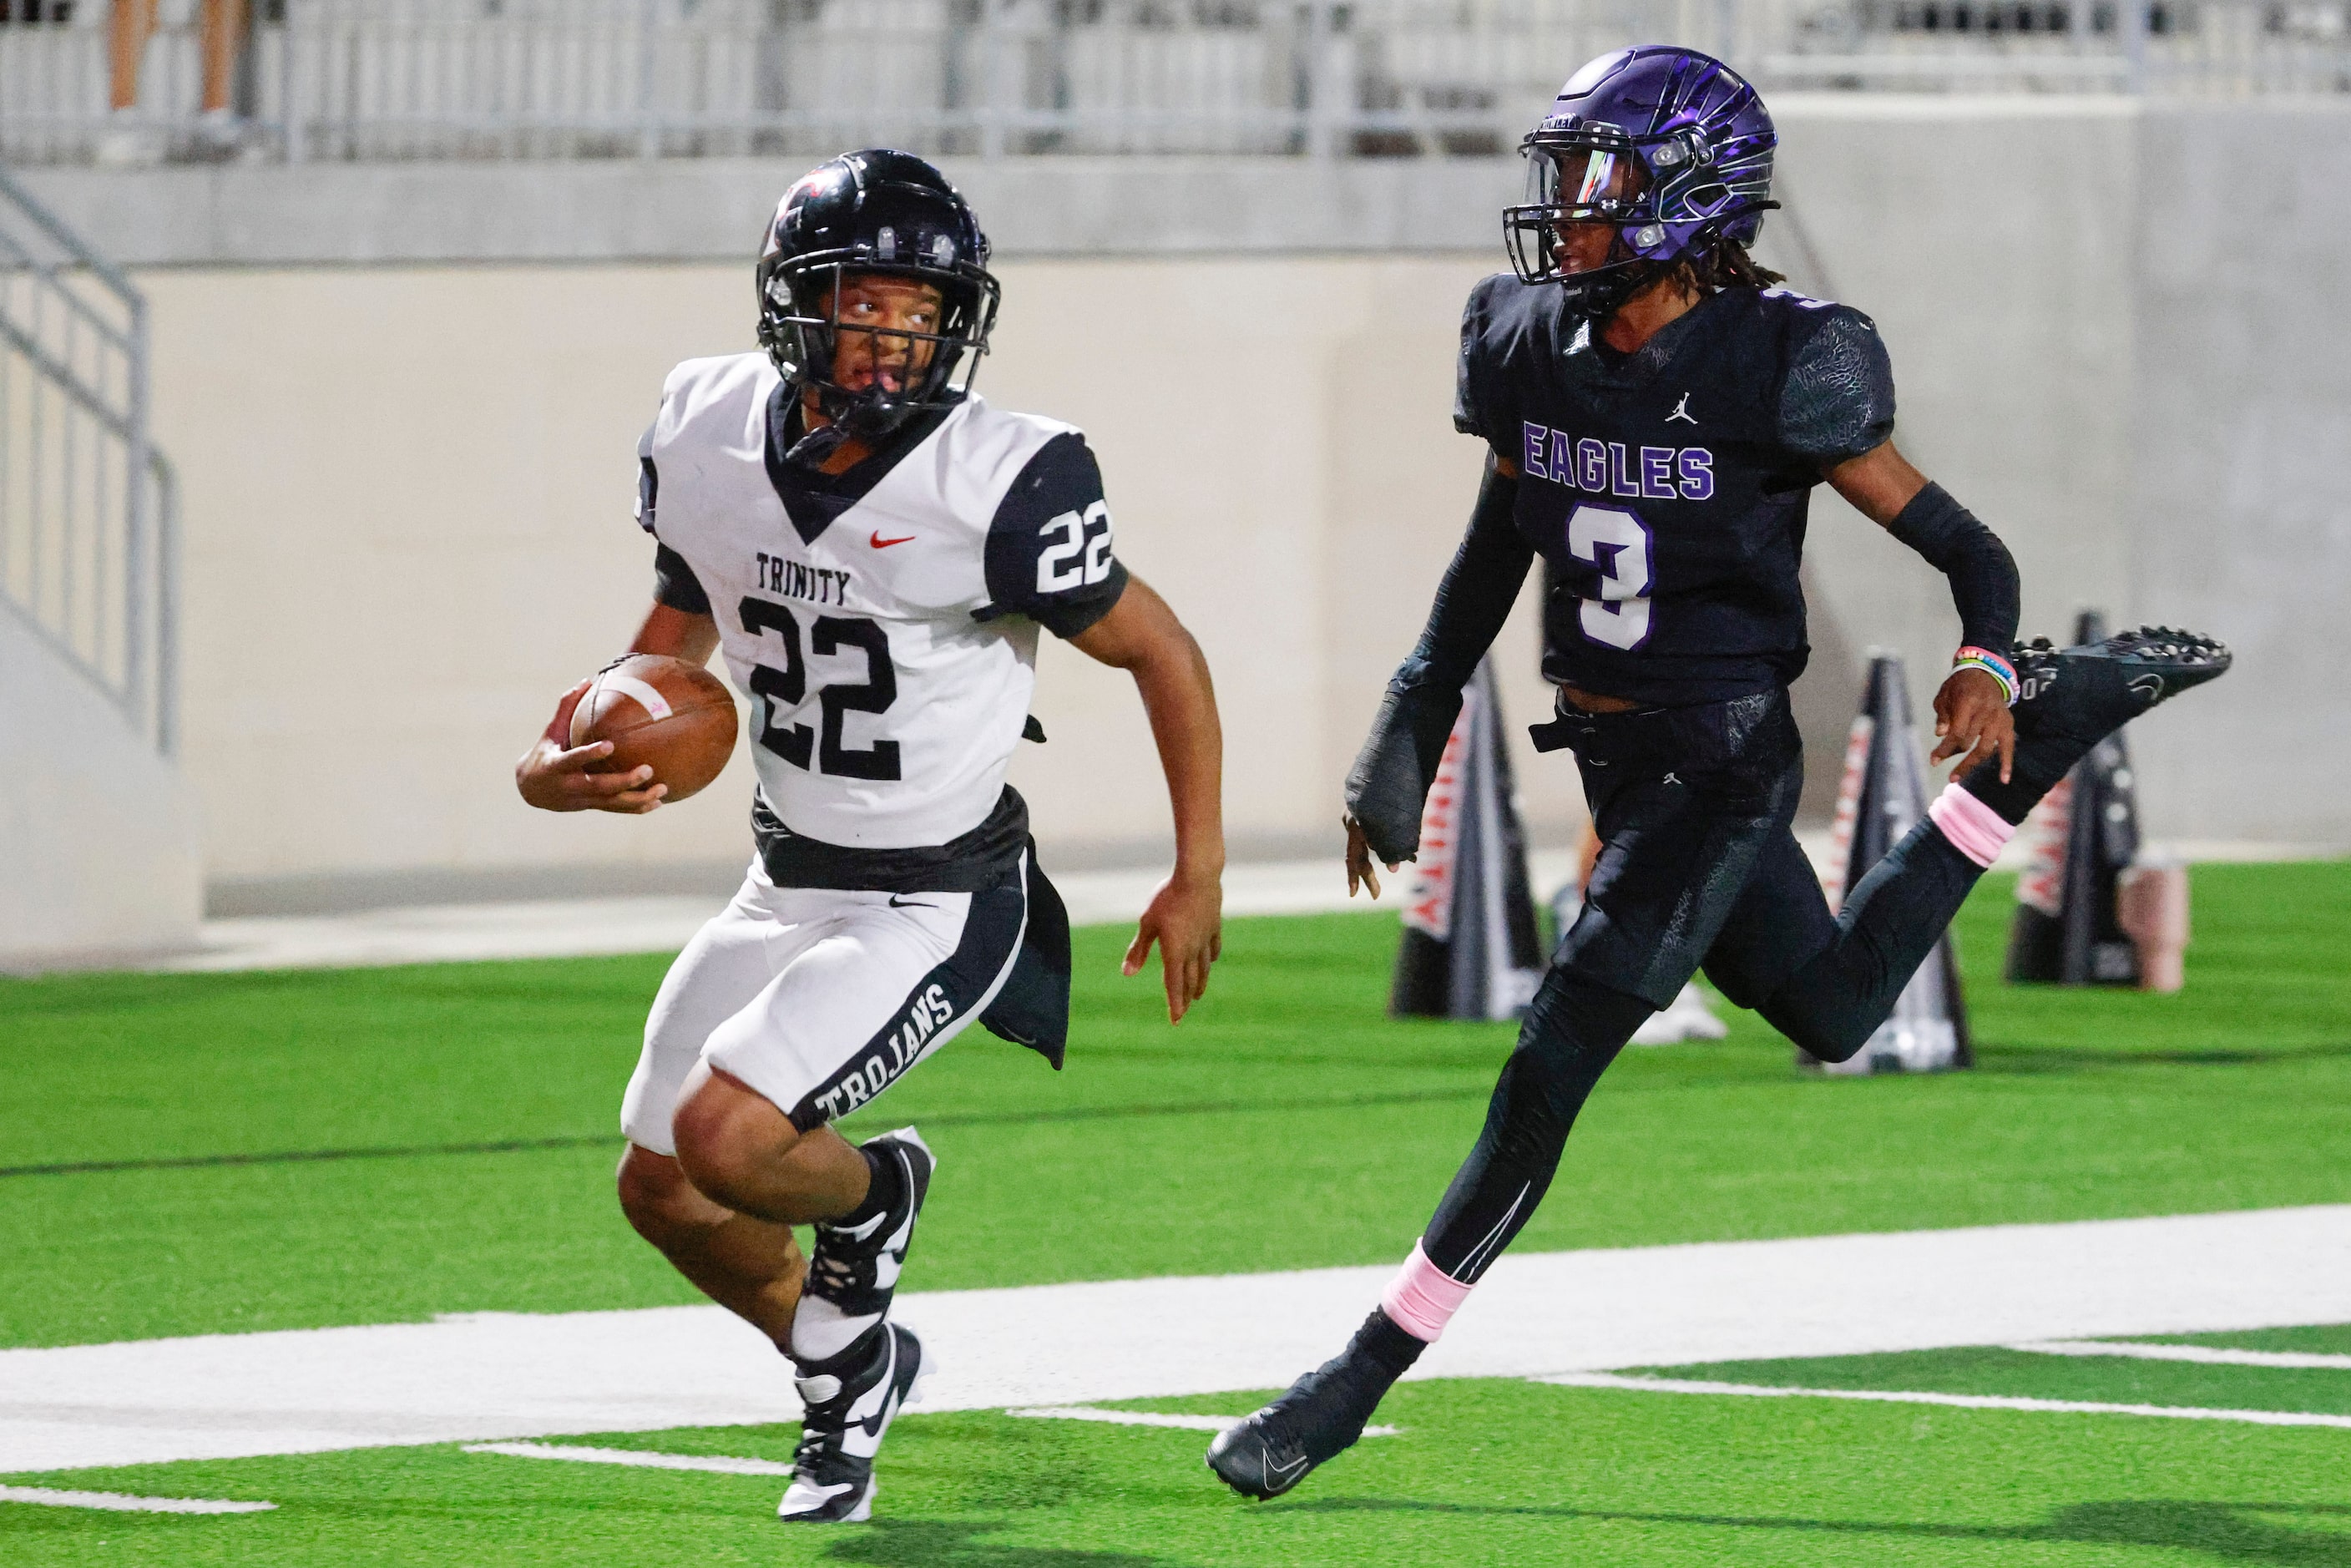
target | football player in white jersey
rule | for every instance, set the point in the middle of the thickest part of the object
(873, 549)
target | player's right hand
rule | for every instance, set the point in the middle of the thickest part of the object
(1359, 859)
(1186, 917)
(556, 777)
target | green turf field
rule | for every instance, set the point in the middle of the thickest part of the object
(214, 1153)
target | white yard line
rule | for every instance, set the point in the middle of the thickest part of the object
(491, 1376)
(2203, 1355)
(1153, 1419)
(120, 1502)
(1962, 1401)
(643, 1458)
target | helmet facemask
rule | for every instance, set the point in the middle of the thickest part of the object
(908, 370)
(1587, 199)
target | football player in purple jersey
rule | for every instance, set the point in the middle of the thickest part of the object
(1657, 413)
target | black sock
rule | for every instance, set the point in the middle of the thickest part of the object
(882, 1191)
(1346, 1390)
(847, 1362)
(2041, 762)
(1383, 1347)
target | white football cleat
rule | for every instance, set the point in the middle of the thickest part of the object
(849, 1410)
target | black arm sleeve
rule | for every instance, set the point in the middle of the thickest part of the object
(1389, 783)
(1048, 554)
(675, 583)
(1838, 400)
(1984, 584)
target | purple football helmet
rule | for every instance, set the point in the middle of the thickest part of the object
(1671, 148)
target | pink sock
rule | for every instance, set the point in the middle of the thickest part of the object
(1422, 1298)
(1974, 829)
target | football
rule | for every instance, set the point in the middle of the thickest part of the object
(677, 717)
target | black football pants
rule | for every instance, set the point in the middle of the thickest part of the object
(1698, 867)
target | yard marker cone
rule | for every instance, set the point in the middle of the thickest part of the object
(1470, 950)
(1883, 796)
(2084, 837)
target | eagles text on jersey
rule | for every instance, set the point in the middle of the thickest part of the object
(883, 624)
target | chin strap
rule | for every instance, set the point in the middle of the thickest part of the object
(810, 450)
(867, 418)
(1600, 295)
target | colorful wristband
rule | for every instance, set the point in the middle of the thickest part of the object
(1990, 664)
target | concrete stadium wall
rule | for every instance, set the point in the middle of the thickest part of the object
(408, 484)
(2239, 515)
(100, 852)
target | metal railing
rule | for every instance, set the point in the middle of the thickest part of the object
(508, 79)
(88, 508)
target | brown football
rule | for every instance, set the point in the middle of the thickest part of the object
(678, 718)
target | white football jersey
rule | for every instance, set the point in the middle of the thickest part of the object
(883, 624)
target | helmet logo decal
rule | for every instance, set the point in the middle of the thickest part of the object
(943, 250)
(886, 244)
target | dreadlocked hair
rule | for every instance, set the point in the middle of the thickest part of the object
(1728, 266)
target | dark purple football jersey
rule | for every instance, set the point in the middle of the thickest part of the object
(1667, 490)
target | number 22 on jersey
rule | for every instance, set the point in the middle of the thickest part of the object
(780, 690)
(1620, 544)
(1082, 557)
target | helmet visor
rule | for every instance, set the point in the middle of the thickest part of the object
(1584, 183)
(1579, 199)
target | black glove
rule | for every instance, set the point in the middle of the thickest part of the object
(1388, 786)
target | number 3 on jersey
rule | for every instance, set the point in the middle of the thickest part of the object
(1619, 544)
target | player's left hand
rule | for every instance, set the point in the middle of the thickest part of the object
(1359, 858)
(1971, 717)
(1186, 917)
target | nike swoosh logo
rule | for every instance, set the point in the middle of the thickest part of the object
(898, 903)
(878, 542)
(1283, 1474)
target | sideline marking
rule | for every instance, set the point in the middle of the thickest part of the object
(1964, 1401)
(1153, 1419)
(122, 1502)
(642, 1459)
(2204, 1355)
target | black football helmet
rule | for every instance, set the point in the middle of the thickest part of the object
(877, 211)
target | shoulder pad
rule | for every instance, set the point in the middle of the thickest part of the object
(1495, 323)
(981, 450)
(697, 388)
(1837, 402)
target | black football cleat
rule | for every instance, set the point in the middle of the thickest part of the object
(855, 1272)
(2084, 694)
(851, 1401)
(1320, 1418)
